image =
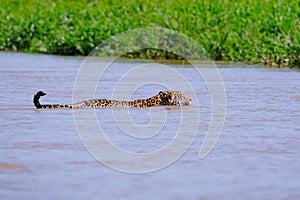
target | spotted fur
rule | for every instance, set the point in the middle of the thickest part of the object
(163, 98)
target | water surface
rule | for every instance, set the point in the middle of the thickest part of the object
(256, 157)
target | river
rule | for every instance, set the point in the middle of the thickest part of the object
(43, 155)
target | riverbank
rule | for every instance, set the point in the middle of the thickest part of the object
(248, 31)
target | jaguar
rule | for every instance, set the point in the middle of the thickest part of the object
(163, 98)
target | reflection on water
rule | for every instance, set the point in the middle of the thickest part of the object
(257, 156)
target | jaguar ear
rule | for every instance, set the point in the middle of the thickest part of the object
(169, 97)
(160, 92)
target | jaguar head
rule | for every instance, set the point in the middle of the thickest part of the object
(174, 98)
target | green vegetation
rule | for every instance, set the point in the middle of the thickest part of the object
(247, 30)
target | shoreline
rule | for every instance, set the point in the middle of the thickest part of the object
(269, 64)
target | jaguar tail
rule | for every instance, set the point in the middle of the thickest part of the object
(38, 105)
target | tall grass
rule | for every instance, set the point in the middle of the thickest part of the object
(246, 30)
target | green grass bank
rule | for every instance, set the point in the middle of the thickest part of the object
(247, 30)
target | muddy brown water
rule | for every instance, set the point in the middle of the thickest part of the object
(42, 157)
